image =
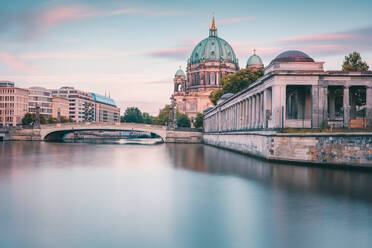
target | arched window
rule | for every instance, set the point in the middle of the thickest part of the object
(212, 78)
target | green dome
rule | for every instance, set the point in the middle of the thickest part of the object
(215, 49)
(180, 72)
(254, 60)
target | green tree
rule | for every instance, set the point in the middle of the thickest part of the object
(235, 82)
(43, 120)
(353, 62)
(198, 123)
(183, 121)
(65, 120)
(132, 114)
(52, 120)
(147, 118)
(27, 119)
(163, 116)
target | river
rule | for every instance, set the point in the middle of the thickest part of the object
(174, 195)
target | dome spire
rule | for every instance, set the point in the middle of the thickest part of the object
(213, 29)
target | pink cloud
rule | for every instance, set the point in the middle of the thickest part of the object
(16, 63)
(147, 12)
(235, 20)
(53, 17)
(174, 53)
(320, 37)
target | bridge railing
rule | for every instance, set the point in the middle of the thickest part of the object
(123, 124)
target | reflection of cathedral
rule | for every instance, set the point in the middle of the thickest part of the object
(211, 60)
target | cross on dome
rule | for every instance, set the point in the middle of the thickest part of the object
(213, 29)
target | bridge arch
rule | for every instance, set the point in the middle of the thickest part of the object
(56, 132)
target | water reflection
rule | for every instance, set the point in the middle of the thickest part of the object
(207, 159)
(174, 195)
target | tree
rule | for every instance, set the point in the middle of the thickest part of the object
(132, 114)
(163, 116)
(65, 120)
(183, 121)
(52, 120)
(233, 83)
(147, 118)
(198, 123)
(353, 62)
(27, 119)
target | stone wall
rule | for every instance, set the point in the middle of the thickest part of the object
(23, 135)
(183, 137)
(331, 148)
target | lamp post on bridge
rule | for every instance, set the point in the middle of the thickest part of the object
(172, 121)
(37, 116)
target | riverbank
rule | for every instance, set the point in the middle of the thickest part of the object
(340, 149)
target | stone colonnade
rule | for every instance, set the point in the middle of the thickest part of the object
(248, 113)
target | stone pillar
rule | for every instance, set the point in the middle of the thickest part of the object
(249, 113)
(319, 105)
(331, 103)
(262, 110)
(369, 106)
(239, 115)
(346, 106)
(253, 112)
(257, 125)
(246, 114)
(236, 116)
(277, 105)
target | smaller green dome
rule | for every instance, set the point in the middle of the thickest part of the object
(254, 60)
(180, 72)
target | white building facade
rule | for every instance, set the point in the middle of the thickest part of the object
(295, 92)
(39, 96)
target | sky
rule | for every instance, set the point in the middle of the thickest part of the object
(130, 50)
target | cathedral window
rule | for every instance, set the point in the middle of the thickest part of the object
(212, 79)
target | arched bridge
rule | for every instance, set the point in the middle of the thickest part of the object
(57, 131)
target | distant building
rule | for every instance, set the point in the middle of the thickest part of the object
(81, 104)
(89, 107)
(13, 104)
(60, 107)
(254, 62)
(6, 84)
(105, 109)
(39, 96)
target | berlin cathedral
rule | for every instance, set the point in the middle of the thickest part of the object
(211, 60)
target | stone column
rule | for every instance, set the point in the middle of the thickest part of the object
(239, 115)
(278, 98)
(319, 105)
(331, 103)
(257, 111)
(346, 106)
(245, 114)
(249, 113)
(369, 106)
(253, 112)
(262, 110)
(236, 116)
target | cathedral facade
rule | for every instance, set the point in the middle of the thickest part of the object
(211, 60)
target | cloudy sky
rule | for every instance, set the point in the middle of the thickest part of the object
(133, 48)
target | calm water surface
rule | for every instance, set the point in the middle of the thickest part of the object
(86, 195)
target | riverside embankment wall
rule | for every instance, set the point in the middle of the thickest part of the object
(353, 149)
